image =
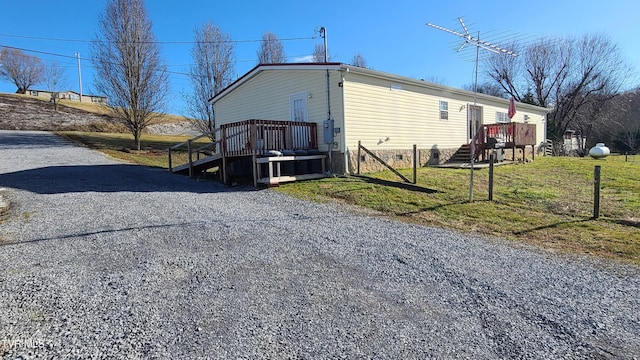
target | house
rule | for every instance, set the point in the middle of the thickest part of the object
(69, 95)
(385, 113)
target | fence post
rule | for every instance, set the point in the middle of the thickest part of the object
(190, 159)
(359, 157)
(491, 161)
(415, 163)
(170, 168)
(596, 192)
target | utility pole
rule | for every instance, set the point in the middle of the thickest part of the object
(79, 75)
(468, 39)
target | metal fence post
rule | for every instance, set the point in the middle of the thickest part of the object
(596, 192)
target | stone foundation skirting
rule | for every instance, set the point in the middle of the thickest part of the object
(398, 159)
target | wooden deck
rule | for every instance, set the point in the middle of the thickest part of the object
(512, 135)
(253, 139)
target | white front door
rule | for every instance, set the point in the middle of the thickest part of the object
(298, 107)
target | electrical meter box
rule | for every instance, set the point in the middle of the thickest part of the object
(327, 131)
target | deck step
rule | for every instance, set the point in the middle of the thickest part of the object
(463, 154)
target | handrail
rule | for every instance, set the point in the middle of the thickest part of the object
(190, 151)
(176, 146)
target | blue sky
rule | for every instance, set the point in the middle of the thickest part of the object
(392, 36)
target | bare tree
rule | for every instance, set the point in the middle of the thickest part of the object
(271, 50)
(318, 54)
(21, 69)
(129, 69)
(622, 130)
(574, 77)
(358, 60)
(488, 88)
(212, 70)
(55, 78)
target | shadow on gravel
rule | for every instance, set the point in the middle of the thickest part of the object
(106, 178)
(87, 234)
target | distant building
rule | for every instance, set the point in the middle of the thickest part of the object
(69, 95)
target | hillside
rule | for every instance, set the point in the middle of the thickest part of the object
(22, 112)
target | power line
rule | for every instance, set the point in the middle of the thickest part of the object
(90, 60)
(178, 42)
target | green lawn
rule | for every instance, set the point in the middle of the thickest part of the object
(120, 145)
(548, 202)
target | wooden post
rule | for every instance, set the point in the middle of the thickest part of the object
(190, 159)
(596, 192)
(170, 167)
(415, 163)
(492, 158)
(359, 156)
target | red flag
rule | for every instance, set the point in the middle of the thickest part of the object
(512, 108)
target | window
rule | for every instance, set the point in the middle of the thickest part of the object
(502, 117)
(444, 110)
(34, 93)
(74, 97)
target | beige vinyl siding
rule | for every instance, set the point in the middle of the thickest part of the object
(375, 112)
(266, 96)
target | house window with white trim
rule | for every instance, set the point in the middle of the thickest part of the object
(444, 110)
(502, 117)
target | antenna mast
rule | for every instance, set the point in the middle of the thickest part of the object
(474, 41)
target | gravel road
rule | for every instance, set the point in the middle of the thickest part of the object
(100, 259)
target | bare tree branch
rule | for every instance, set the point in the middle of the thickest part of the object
(318, 54)
(21, 69)
(574, 77)
(55, 78)
(271, 50)
(212, 70)
(129, 69)
(358, 60)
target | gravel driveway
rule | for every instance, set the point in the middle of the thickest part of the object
(101, 259)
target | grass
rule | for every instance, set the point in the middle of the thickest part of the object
(119, 145)
(547, 203)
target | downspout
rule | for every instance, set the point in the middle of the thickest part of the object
(343, 127)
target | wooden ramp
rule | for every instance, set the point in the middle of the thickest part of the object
(198, 166)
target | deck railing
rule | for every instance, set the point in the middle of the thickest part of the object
(254, 137)
(248, 138)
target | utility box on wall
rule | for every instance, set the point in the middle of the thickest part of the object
(327, 131)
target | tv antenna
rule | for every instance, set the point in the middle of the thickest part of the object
(474, 41)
